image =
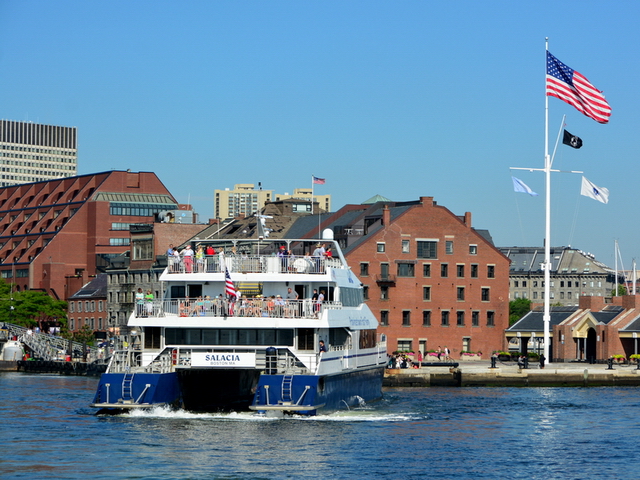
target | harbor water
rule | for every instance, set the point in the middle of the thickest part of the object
(48, 431)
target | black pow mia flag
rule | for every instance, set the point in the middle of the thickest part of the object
(571, 140)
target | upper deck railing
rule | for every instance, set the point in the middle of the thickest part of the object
(290, 264)
(245, 307)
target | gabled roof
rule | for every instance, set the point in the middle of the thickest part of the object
(533, 321)
(96, 288)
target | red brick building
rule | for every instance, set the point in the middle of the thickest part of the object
(598, 328)
(54, 235)
(430, 277)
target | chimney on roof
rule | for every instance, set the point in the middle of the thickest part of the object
(467, 219)
(428, 201)
(386, 216)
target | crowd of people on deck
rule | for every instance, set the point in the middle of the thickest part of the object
(202, 259)
(288, 306)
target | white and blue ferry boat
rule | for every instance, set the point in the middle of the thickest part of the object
(259, 324)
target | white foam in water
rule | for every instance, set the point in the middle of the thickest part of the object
(359, 414)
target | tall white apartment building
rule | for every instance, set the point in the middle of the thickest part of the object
(244, 199)
(32, 152)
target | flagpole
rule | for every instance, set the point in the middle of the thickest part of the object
(546, 317)
(312, 194)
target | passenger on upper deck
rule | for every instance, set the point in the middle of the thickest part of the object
(322, 347)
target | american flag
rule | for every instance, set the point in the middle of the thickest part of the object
(319, 181)
(230, 289)
(573, 88)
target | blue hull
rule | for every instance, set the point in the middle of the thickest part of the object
(330, 392)
(122, 391)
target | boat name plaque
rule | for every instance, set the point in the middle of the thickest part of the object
(359, 322)
(223, 359)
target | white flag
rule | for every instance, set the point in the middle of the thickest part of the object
(593, 191)
(520, 186)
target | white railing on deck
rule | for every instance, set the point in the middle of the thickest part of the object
(254, 264)
(246, 307)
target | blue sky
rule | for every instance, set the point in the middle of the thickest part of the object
(403, 99)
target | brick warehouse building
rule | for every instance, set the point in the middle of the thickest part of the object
(430, 278)
(55, 234)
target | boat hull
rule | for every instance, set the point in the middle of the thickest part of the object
(122, 391)
(310, 394)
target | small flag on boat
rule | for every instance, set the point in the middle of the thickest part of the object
(591, 190)
(573, 88)
(571, 140)
(319, 181)
(520, 186)
(230, 289)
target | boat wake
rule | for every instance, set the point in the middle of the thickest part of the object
(358, 414)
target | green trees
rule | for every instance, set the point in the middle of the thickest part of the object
(518, 308)
(31, 308)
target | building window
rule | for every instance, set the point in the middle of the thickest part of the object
(448, 246)
(524, 283)
(406, 270)
(568, 295)
(426, 270)
(72, 306)
(380, 247)
(405, 246)
(404, 345)
(143, 249)
(485, 297)
(474, 270)
(384, 318)
(460, 318)
(460, 271)
(460, 295)
(561, 295)
(365, 292)
(535, 295)
(445, 318)
(80, 306)
(516, 283)
(384, 292)
(516, 295)
(426, 293)
(491, 319)
(99, 305)
(118, 242)
(384, 271)
(427, 249)
(535, 284)
(473, 249)
(426, 318)
(406, 318)
(444, 270)
(491, 272)
(475, 319)
(364, 269)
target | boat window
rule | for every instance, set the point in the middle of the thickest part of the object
(228, 336)
(351, 297)
(338, 336)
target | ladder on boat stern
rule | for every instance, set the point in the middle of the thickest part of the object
(127, 381)
(287, 381)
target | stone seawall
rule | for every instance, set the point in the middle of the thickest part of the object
(554, 375)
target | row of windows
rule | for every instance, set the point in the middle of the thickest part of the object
(427, 248)
(569, 284)
(485, 293)
(91, 322)
(89, 306)
(408, 270)
(137, 278)
(445, 318)
(46, 151)
(117, 242)
(562, 295)
(135, 209)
